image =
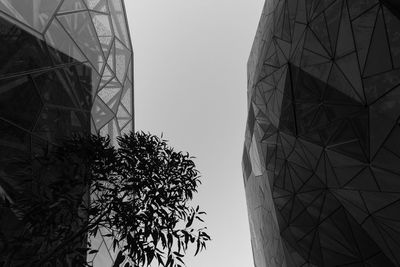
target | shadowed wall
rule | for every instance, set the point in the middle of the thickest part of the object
(322, 145)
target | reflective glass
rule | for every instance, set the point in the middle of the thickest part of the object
(31, 53)
(102, 112)
(98, 5)
(34, 13)
(20, 102)
(62, 62)
(118, 20)
(84, 35)
(71, 5)
(62, 43)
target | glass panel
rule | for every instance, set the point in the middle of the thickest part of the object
(107, 76)
(111, 95)
(122, 59)
(95, 83)
(127, 128)
(118, 20)
(55, 89)
(101, 24)
(65, 49)
(103, 258)
(93, 128)
(98, 5)
(123, 116)
(34, 13)
(126, 98)
(111, 58)
(83, 83)
(105, 42)
(130, 71)
(13, 142)
(101, 113)
(103, 28)
(79, 27)
(71, 5)
(112, 130)
(255, 158)
(56, 123)
(20, 103)
(20, 51)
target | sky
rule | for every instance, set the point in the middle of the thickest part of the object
(190, 84)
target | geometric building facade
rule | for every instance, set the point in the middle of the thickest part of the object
(66, 67)
(321, 159)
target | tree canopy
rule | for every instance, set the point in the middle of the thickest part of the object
(138, 193)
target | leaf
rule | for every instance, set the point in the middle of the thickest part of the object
(197, 247)
(115, 243)
(108, 235)
(150, 256)
(178, 254)
(170, 261)
(160, 259)
(163, 240)
(200, 219)
(180, 259)
(140, 192)
(190, 221)
(169, 236)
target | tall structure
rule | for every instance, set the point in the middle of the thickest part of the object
(322, 143)
(66, 67)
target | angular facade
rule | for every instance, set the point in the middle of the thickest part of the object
(66, 67)
(322, 144)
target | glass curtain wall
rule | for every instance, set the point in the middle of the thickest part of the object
(66, 67)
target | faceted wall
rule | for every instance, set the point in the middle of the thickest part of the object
(322, 147)
(66, 67)
(93, 32)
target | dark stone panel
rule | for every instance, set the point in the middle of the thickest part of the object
(394, 6)
(332, 161)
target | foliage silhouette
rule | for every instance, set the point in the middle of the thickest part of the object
(139, 194)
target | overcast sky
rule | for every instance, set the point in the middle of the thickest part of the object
(190, 85)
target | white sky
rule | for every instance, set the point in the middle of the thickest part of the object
(190, 84)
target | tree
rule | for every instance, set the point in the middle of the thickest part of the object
(140, 193)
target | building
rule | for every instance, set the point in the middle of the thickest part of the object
(322, 143)
(66, 67)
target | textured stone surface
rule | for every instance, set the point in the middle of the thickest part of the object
(322, 138)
